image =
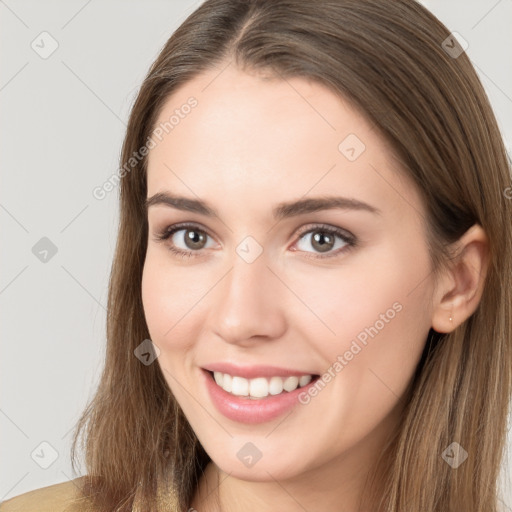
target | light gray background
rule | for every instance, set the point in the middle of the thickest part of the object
(63, 120)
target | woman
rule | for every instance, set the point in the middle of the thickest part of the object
(310, 302)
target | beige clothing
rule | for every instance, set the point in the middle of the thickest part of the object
(53, 498)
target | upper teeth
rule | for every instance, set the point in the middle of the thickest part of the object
(259, 387)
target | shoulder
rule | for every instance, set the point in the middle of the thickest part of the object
(53, 498)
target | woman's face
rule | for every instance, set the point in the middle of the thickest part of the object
(315, 264)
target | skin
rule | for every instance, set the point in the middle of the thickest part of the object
(250, 144)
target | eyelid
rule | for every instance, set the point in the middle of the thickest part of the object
(173, 228)
(318, 226)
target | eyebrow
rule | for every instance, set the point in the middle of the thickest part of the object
(279, 212)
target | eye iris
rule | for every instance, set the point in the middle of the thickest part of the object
(322, 241)
(194, 238)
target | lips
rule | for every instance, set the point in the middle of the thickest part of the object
(249, 409)
(254, 371)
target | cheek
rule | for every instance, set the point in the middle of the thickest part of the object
(168, 308)
(175, 301)
(372, 292)
(169, 294)
(155, 290)
(371, 321)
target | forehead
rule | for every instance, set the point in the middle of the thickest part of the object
(279, 138)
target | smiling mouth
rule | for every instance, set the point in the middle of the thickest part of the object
(260, 387)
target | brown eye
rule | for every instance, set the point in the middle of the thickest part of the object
(185, 239)
(328, 240)
(322, 241)
(194, 238)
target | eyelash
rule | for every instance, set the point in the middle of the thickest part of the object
(349, 239)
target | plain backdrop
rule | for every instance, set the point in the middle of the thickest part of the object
(63, 120)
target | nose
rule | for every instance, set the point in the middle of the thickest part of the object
(249, 303)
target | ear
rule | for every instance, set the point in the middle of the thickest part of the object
(460, 287)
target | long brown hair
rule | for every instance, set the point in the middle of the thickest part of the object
(390, 59)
